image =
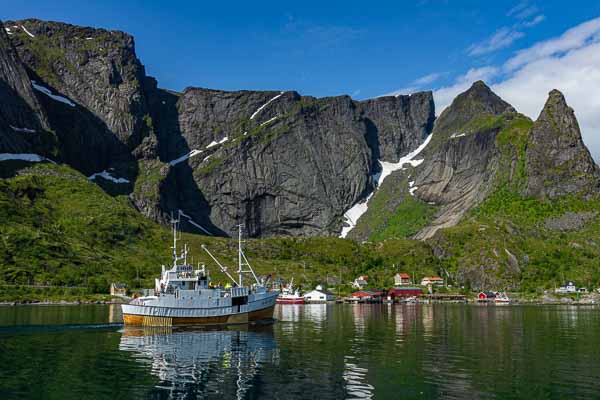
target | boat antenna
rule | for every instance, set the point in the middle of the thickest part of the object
(240, 226)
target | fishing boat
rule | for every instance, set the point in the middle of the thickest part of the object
(290, 295)
(501, 298)
(184, 295)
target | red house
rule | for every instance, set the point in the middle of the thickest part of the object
(486, 296)
(404, 292)
(367, 294)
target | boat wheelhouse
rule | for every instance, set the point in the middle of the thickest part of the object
(184, 295)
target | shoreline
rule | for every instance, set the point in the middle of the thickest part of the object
(59, 303)
(469, 302)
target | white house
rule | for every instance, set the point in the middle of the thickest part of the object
(432, 280)
(569, 287)
(319, 295)
(360, 282)
(401, 278)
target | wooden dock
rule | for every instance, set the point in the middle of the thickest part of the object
(440, 297)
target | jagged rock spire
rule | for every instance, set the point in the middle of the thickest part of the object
(558, 162)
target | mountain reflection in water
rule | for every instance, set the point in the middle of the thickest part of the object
(202, 362)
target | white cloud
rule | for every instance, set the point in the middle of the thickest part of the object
(576, 74)
(417, 84)
(427, 79)
(523, 10)
(538, 19)
(569, 63)
(572, 39)
(503, 38)
(507, 35)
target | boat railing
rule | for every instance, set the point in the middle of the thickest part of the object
(239, 291)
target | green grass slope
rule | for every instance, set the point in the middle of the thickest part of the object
(59, 229)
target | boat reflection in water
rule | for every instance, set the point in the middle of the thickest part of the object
(203, 362)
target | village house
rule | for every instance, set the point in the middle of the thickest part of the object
(118, 289)
(432, 281)
(360, 282)
(569, 287)
(403, 292)
(402, 278)
(486, 296)
(367, 295)
(319, 295)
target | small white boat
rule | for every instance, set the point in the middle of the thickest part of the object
(501, 298)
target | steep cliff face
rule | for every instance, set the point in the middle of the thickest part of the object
(23, 124)
(91, 87)
(95, 68)
(397, 125)
(282, 163)
(558, 162)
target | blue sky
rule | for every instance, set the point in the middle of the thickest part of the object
(320, 48)
(365, 49)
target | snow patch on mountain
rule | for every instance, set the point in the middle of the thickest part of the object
(106, 175)
(27, 32)
(266, 104)
(25, 130)
(24, 157)
(185, 157)
(356, 211)
(215, 143)
(48, 93)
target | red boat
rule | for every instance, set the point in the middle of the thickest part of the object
(289, 295)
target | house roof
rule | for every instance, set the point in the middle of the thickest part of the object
(322, 291)
(400, 288)
(368, 292)
(118, 285)
(433, 278)
(403, 275)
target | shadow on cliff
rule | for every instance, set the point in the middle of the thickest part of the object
(16, 114)
(86, 143)
(372, 137)
(180, 191)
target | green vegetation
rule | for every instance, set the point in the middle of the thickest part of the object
(61, 230)
(150, 175)
(393, 212)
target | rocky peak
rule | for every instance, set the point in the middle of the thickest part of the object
(558, 162)
(479, 100)
(95, 68)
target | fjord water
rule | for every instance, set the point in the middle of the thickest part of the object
(311, 352)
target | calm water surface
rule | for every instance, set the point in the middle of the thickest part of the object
(311, 352)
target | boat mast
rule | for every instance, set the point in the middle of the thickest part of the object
(240, 253)
(174, 223)
(242, 260)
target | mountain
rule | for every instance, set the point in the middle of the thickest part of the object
(482, 193)
(281, 163)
